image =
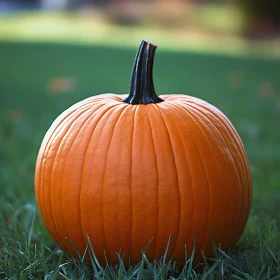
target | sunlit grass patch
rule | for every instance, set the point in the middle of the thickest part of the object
(93, 29)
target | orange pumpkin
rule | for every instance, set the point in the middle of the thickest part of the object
(125, 171)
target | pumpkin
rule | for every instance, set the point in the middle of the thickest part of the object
(125, 171)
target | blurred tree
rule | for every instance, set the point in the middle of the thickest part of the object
(54, 4)
(61, 4)
(16, 4)
(263, 17)
(107, 2)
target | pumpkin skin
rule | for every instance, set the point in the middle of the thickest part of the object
(123, 174)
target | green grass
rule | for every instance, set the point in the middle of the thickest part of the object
(246, 89)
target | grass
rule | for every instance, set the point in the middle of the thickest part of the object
(38, 81)
(93, 28)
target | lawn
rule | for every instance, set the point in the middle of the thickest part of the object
(40, 80)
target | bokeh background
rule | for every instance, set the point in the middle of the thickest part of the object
(54, 53)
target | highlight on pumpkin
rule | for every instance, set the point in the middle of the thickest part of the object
(120, 170)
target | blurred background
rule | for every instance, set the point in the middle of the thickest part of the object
(54, 53)
(224, 25)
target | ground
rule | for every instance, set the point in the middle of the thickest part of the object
(40, 80)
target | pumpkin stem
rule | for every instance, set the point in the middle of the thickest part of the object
(142, 89)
